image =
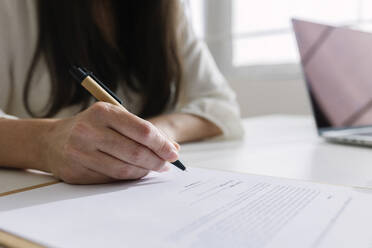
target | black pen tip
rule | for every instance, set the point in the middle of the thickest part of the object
(179, 165)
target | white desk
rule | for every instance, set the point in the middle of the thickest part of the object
(281, 146)
(286, 146)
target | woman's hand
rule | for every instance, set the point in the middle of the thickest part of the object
(105, 143)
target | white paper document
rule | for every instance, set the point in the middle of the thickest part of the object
(202, 208)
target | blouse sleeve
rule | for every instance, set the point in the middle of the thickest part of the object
(3, 115)
(18, 38)
(204, 91)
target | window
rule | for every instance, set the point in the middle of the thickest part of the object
(254, 37)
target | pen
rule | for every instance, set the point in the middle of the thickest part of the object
(102, 93)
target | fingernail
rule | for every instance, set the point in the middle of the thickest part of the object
(173, 154)
(177, 146)
(165, 168)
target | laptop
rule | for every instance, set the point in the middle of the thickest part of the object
(337, 68)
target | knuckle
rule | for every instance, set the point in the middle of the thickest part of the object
(146, 130)
(100, 108)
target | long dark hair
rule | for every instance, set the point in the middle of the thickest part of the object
(144, 55)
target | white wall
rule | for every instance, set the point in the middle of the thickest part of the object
(271, 97)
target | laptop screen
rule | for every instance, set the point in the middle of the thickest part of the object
(337, 66)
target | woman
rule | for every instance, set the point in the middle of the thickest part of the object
(143, 50)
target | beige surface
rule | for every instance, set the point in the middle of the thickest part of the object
(12, 241)
(13, 181)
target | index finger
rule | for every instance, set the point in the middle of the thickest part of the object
(143, 132)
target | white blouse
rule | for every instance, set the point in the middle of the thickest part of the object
(204, 91)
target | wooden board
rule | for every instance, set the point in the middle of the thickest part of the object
(12, 241)
(14, 181)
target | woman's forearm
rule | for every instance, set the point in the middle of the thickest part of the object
(21, 143)
(101, 144)
(185, 127)
(36, 144)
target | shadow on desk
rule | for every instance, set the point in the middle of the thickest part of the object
(341, 164)
(63, 191)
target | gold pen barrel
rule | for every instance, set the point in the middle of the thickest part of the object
(98, 92)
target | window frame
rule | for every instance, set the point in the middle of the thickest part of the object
(219, 37)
